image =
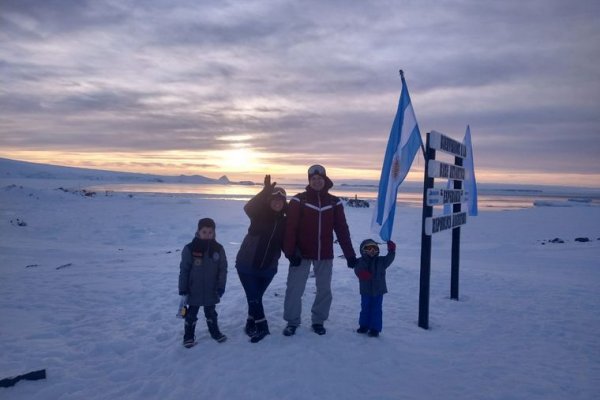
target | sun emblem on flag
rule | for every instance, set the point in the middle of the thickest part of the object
(395, 168)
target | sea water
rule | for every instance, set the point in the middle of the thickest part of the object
(488, 199)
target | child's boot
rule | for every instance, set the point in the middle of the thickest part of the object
(262, 330)
(213, 329)
(362, 329)
(189, 339)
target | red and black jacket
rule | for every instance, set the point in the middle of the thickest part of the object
(312, 217)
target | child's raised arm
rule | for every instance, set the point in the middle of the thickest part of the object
(389, 258)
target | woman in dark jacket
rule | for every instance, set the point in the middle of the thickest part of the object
(256, 261)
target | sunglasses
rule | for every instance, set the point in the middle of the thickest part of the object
(278, 192)
(371, 247)
(316, 169)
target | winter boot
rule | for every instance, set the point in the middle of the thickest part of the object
(262, 330)
(289, 330)
(319, 329)
(213, 329)
(362, 329)
(250, 328)
(373, 333)
(189, 339)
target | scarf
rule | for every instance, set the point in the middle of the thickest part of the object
(204, 246)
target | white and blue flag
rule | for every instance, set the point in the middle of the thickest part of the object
(403, 144)
(469, 183)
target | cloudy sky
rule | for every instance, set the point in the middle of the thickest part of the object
(247, 87)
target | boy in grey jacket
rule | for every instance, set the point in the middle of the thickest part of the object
(370, 270)
(202, 278)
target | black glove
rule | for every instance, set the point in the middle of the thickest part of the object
(294, 260)
(220, 292)
(268, 186)
(183, 293)
(351, 262)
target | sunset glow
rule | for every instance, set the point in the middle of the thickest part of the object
(214, 89)
(246, 164)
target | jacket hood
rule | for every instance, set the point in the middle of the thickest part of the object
(365, 243)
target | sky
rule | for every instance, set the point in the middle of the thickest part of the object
(245, 88)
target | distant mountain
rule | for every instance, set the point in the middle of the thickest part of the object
(224, 179)
(28, 170)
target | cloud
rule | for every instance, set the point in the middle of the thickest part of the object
(306, 79)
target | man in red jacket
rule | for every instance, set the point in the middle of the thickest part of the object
(312, 218)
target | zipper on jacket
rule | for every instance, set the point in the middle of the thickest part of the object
(319, 230)
(268, 245)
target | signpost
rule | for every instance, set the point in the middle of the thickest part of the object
(430, 225)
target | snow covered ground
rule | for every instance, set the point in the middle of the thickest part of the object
(88, 291)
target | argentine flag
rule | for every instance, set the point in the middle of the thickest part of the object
(469, 183)
(403, 144)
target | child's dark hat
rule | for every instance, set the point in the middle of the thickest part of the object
(368, 243)
(206, 222)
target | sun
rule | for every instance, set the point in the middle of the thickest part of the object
(238, 160)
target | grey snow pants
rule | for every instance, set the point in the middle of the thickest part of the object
(296, 283)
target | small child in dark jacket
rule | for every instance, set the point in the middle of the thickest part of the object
(202, 278)
(370, 270)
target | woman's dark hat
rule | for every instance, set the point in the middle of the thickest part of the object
(279, 191)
